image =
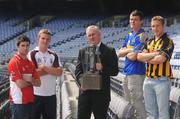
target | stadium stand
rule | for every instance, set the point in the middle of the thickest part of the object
(68, 38)
(10, 28)
(4, 94)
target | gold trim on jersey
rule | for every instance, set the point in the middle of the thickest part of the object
(163, 69)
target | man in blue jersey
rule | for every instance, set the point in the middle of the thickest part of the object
(134, 69)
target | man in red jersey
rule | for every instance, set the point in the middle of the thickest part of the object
(23, 77)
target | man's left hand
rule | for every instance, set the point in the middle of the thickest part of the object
(99, 66)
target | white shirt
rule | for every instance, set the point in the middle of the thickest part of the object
(48, 82)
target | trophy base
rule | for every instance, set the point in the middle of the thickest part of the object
(91, 81)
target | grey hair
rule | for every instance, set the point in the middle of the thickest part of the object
(93, 27)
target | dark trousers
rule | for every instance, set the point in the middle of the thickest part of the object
(45, 106)
(90, 102)
(21, 111)
(177, 110)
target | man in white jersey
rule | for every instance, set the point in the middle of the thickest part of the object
(47, 64)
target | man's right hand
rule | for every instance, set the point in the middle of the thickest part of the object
(124, 51)
(83, 88)
(41, 70)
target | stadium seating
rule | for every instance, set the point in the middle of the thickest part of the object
(68, 37)
(4, 94)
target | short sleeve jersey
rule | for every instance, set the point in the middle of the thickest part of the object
(48, 82)
(136, 41)
(16, 68)
(165, 46)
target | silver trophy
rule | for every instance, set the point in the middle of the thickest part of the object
(91, 78)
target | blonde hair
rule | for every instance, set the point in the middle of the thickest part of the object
(158, 18)
(45, 31)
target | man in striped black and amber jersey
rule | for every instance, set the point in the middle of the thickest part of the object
(157, 53)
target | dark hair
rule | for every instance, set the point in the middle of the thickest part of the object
(22, 38)
(137, 13)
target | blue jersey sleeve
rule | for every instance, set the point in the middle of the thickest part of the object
(125, 42)
(140, 42)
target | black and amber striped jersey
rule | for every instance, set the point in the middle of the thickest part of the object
(165, 46)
